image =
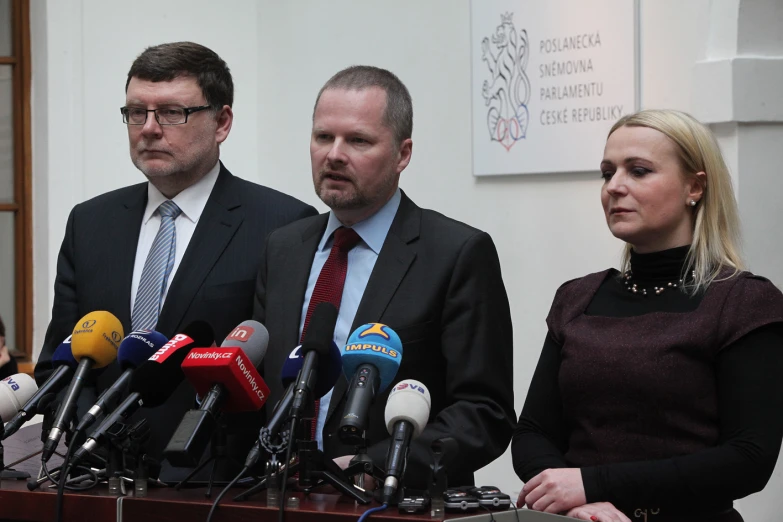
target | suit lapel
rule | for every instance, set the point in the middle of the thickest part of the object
(217, 225)
(121, 257)
(393, 262)
(299, 260)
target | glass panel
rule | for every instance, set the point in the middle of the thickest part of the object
(7, 277)
(6, 135)
(6, 47)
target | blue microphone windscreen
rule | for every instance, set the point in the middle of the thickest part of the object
(329, 369)
(139, 346)
(62, 356)
(375, 344)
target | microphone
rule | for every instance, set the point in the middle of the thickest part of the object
(407, 412)
(317, 343)
(329, 369)
(64, 364)
(15, 391)
(153, 382)
(134, 350)
(371, 358)
(94, 344)
(227, 379)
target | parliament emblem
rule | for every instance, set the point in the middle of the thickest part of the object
(507, 91)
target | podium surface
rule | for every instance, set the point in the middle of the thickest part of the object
(17, 503)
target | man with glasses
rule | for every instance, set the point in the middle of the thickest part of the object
(186, 245)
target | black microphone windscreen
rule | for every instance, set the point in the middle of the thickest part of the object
(320, 330)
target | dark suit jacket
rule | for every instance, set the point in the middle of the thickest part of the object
(437, 283)
(214, 282)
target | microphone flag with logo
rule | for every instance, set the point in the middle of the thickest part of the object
(64, 365)
(370, 359)
(14, 392)
(407, 412)
(227, 380)
(94, 344)
(134, 350)
(153, 382)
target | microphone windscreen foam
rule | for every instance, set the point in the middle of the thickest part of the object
(410, 401)
(201, 332)
(139, 346)
(158, 377)
(320, 329)
(329, 369)
(15, 391)
(375, 344)
(97, 335)
(252, 337)
(62, 356)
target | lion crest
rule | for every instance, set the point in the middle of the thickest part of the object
(508, 91)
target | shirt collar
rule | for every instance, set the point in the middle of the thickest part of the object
(372, 230)
(191, 201)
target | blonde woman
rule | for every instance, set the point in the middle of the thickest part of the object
(658, 396)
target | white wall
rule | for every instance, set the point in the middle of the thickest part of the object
(280, 54)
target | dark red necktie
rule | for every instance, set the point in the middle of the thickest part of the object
(330, 283)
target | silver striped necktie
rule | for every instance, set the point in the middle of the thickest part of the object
(157, 269)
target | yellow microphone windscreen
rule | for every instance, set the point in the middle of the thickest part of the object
(97, 335)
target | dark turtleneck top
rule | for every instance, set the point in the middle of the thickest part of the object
(713, 442)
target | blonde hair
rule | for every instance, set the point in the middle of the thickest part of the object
(716, 234)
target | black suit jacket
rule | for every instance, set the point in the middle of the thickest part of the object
(437, 283)
(214, 281)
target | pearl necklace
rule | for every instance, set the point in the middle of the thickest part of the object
(634, 288)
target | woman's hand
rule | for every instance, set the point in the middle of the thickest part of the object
(554, 491)
(598, 512)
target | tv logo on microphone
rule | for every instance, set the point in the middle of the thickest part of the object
(175, 342)
(405, 385)
(375, 329)
(240, 333)
(89, 323)
(203, 354)
(374, 347)
(14, 386)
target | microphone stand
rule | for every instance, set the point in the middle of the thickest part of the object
(8, 473)
(314, 470)
(218, 453)
(361, 464)
(47, 405)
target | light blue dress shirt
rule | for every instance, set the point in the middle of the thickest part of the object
(361, 261)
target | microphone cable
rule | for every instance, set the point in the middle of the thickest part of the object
(225, 490)
(371, 511)
(294, 421)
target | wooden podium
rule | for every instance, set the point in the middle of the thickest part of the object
(166, 504)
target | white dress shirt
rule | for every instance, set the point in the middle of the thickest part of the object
(191, 201)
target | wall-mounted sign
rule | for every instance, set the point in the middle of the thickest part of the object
(549, 80)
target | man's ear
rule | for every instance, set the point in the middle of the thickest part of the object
(225, 118)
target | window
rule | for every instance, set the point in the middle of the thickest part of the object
(15, 180)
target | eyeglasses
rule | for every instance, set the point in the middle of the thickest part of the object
(163, 115)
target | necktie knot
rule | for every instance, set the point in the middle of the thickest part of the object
(345, 238)
(169, 209)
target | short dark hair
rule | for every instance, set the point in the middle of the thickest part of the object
(165, 62)
(2, 328)
(398, 115)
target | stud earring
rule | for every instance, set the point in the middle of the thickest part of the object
(692, 203)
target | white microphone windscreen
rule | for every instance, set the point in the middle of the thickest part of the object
(15, 391)
(410, 401)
